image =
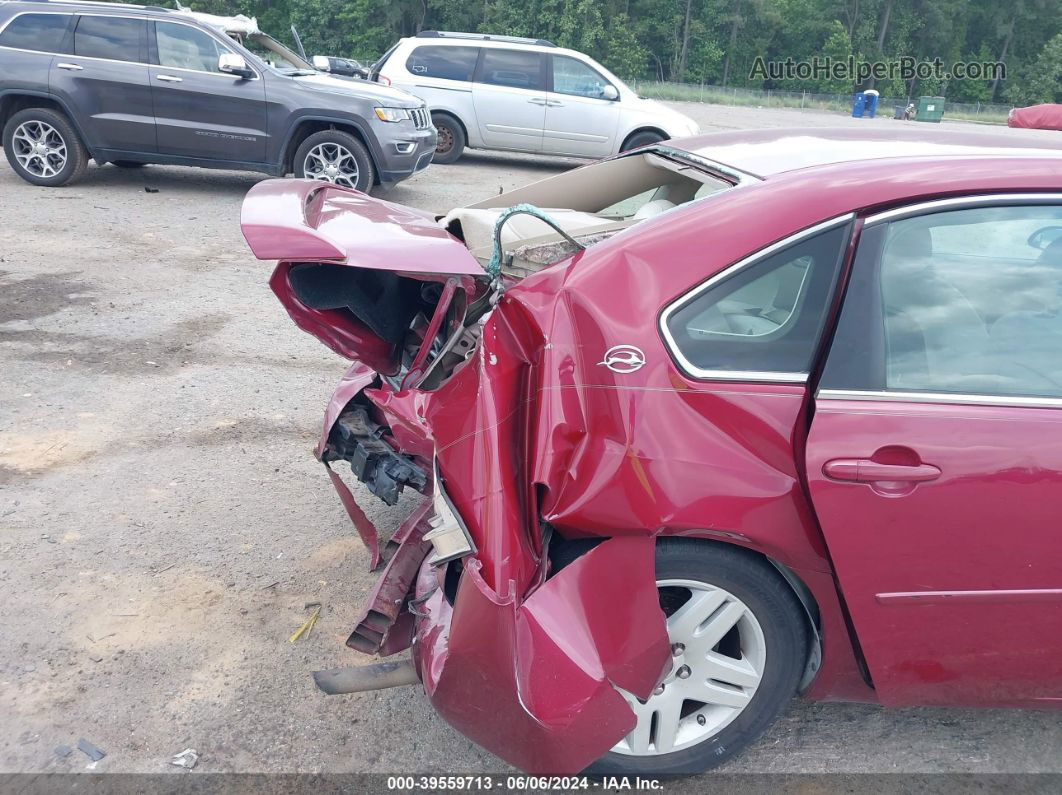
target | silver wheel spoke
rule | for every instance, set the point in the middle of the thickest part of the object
(666, 725)
(738, 673)
(723, 695)
(638, 740)
(713, 628)
(688, 618)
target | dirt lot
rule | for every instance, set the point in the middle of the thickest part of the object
(163, 522)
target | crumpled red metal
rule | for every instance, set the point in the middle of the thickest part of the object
(535, 680)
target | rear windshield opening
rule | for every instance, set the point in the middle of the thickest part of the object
(591, 204)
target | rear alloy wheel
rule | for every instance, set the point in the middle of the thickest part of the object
(718, 655)
(738, 647)
(336, 157)
(43, 148)
(451, 143)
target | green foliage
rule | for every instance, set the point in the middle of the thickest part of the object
(701, 41)
(838, 47)
(1044, 77)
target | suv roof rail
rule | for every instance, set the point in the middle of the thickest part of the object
(446, 34)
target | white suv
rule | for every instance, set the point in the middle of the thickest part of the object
(523, 95)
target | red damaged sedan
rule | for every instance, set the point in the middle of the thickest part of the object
(696, 429)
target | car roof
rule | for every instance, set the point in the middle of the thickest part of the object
(764, 153)
(473, 40)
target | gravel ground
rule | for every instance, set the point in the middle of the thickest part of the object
(163, 522)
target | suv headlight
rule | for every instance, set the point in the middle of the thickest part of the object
(392, 114)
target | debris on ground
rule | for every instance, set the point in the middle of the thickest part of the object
(150, 190)
(63, 751)
(308, 625)
(89, 750)
(188, 758)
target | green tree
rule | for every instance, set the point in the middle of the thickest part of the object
(837, 47)
(1043, 77)
(712, 41)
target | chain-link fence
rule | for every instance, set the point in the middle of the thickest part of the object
(693, 92)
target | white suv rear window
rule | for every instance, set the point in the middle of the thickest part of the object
(444, 63)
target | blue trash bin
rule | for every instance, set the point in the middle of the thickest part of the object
(871, 102)
(859, 102)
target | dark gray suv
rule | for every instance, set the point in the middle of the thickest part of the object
(131, 85)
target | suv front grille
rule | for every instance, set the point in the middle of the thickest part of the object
(421, 119)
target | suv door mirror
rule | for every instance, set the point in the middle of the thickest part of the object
(321, 63)
(234, 64)
(610, 92)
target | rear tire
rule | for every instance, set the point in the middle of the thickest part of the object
(752, 671)
(44, 148)
(644, 138)
(451, 139)
(335, 156)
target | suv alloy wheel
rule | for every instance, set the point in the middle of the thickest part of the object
(335, 156)
(43, 148)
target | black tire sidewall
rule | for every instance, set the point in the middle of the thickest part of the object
(642, 139)
(366, 168)
(763, 590)
(76, 156)
(443, 119)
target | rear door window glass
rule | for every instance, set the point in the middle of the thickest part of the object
(512, 68)
(444, 63)
(965, 301)
(39, 32)
(113, 38)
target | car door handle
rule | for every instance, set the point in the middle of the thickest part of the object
(168, 78)
(865, 470)
(554, 103)
(537, 101)
(71, 66)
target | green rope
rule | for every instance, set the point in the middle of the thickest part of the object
(493, 267)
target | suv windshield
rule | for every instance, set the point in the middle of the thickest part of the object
(274, 54)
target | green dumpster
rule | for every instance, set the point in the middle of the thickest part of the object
(930, 109)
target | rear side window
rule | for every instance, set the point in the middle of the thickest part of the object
(114, 38)
(445, 63)
(765, 317)
(512, 68)
(40, 32)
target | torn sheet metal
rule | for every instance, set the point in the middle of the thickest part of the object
(379, 628)
(534, 681)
